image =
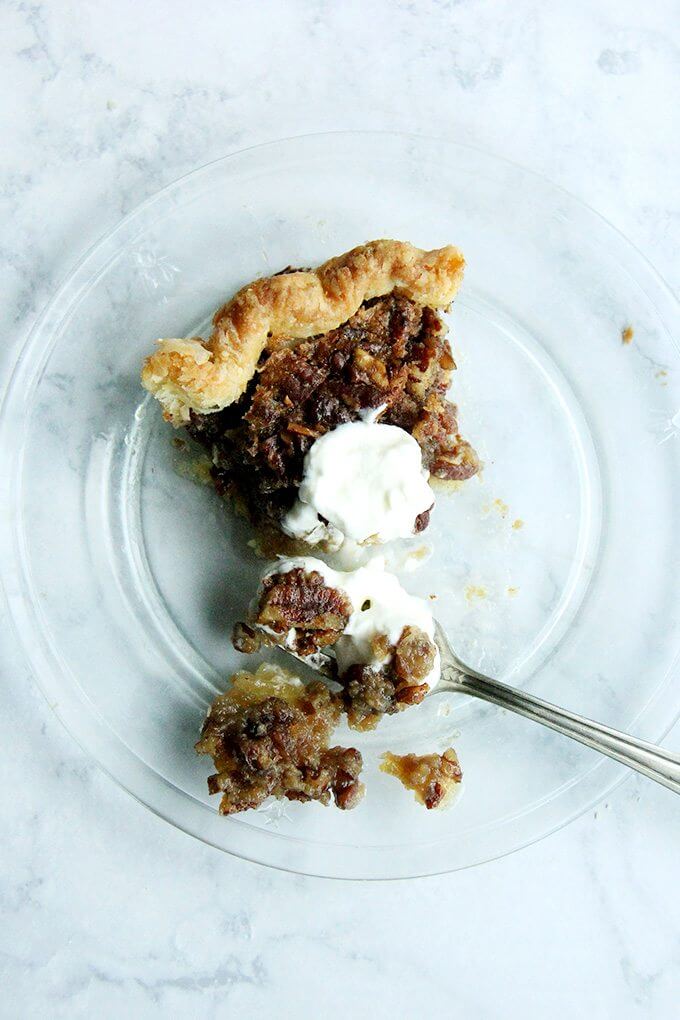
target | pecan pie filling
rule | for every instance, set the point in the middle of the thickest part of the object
(391, 353)
(432, 777)
(303, 610)
(299, 603)
(269, 735)
(370, 692)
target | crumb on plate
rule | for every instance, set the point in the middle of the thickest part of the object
(432, 777)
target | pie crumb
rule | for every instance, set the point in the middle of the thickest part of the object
(627, 334)
(414, 557)
(475, 591)
(512, 592)
(432, 777)
(517, 524)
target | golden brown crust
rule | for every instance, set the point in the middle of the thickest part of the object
(205, 376)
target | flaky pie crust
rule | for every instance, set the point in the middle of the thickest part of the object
(207, 375)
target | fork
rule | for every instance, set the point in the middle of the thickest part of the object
(458, 678)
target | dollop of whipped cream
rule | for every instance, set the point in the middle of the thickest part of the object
(379, 606)
(366, 480)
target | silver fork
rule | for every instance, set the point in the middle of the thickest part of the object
(456, 676)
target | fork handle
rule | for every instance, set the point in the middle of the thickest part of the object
(648, 759)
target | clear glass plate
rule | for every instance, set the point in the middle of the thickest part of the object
(556, 570)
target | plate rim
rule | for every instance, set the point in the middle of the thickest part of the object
(11, 557)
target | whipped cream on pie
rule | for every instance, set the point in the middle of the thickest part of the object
(380, 608)
(364, 481)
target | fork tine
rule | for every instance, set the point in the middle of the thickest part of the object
(446, 652)
(450, 661)
(319, 662)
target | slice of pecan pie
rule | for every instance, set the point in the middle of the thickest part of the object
(297, 355)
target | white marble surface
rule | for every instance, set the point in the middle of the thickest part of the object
(106, 909)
